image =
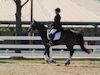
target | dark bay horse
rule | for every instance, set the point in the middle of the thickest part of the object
(68, 38)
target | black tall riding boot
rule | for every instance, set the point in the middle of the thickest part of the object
(51, 39)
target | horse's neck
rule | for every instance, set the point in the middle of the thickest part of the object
(43, 35)
(41, 27)
(42, 30)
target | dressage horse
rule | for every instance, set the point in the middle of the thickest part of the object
(68, 38)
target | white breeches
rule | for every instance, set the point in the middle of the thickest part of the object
(53, 31)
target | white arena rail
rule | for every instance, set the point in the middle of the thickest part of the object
(16, 46)
(20, 38)
(39, 38)
(22, 46)
(32, 47)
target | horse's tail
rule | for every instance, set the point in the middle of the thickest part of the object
(81, 43)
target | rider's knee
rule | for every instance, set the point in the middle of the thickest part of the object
(53, 31)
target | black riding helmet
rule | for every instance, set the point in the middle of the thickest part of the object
(58, 9)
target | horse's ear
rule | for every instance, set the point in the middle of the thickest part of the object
(34, 21)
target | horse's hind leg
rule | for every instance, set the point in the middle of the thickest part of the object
(81, 43)
(86, 50)
(68, 61)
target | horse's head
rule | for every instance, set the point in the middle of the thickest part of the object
(33, 26)
(36, 26)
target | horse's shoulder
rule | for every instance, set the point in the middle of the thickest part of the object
(66, 31)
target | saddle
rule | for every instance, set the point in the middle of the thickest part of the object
(57, 35)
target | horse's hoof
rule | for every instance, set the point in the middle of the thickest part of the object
(44, 63)
(53, 61)
(47, 62)
(67, 63)
(58, 65)
(90, 51)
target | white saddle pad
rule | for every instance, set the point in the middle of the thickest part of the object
(56, 37)
(74, 31)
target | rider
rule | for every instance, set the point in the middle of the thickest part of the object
(56, 25)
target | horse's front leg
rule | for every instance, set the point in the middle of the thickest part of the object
(50, 58)
(68, 60)
(47, 57)
(47, 54)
